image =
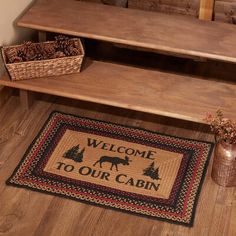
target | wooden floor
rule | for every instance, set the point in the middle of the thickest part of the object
(24, 212)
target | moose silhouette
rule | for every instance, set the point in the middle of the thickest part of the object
(115, 161)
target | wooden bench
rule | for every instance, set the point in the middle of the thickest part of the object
(169, 94)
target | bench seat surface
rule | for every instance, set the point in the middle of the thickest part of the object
(161, 93)
(179, 35)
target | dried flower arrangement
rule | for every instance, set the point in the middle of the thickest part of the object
(223, 128)
(29, 51)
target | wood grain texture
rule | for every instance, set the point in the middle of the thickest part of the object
(183, 7)
(26, 99)
(172, 95)
(225, 11)
(25, 212)
(120, 3)
(206, 9)
(15, 215)
(5, 94)
(42, 36)
(156, 31)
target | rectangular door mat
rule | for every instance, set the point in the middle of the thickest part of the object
(125, 168)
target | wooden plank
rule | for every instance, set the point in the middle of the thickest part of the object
(225, 11)
(42, 36)
(183, 7)
(5, 94)
(172, 95)
(206, 9)
(26, 99)
(119, 3)
(151, 30)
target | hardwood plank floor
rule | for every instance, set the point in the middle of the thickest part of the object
(24, 212)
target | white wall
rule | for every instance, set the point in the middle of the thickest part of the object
(10, 10)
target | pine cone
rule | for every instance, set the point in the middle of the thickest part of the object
(68, 49)
(29, 50)
(32, 56)
(38, 57)
(61, 38)
(76, 44)
(61, 42)
(74, 48)
(22, 55)
(58, 54)
(11, 55)
(39, 52)
(75, 52)
(17, 59)
(48, 50)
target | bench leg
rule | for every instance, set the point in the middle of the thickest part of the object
(26, 99)
(42, 36)
(206, 9)
(5, 94)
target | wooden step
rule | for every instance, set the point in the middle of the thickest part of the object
(179, 35)
(172, 95)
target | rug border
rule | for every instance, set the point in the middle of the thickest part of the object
(129, 126)
(190, 224)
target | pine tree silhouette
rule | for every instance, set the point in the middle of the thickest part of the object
(152, 172)
(71, 152)
(74, 154)
(155, 174)
(149, 170)
(80, 156)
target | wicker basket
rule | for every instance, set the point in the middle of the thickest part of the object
(44, 68)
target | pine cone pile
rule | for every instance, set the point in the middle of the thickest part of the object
(28, 51)
(12, 55)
